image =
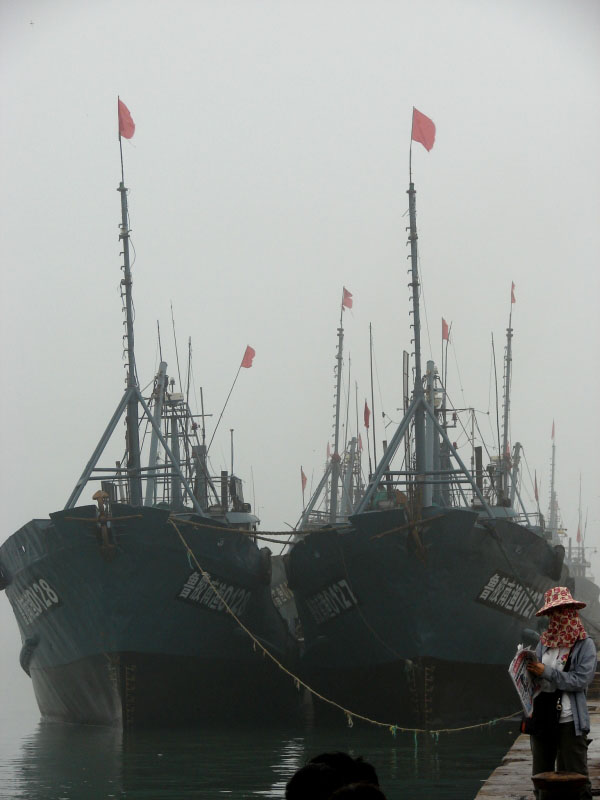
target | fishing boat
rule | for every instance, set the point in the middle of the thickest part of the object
(582, 583)
(146, 605)
(413, 605)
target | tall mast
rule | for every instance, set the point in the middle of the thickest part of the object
(372, 394)
(423, 131)
(579, 536)
(553, 522)
(418, 388)
(133, 440)
(335, 460)
(504, 456)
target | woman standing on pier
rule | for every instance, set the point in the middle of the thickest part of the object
(566, 665)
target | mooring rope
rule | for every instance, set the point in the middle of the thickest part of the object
(298, 682)
(243, 531)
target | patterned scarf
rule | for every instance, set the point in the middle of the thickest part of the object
(565, 628)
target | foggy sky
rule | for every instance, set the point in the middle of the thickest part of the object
(268, 169)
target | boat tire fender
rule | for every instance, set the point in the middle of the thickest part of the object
(4, 577)
(27, 651)
(265, 568)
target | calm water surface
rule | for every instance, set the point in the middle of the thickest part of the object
(43, 761)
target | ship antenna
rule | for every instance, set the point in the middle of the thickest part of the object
(505, 455)
(418, 394)
(580, 542)
(133, 441)
(335, 460)
(372, 392)
(160, 356)
(553, 521)
(176, 350)
(496, 385)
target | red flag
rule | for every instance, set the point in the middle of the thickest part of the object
(578, 534)
(535, 489)
(445, 330)
(367, 415)
(303, 479)
(512, 293)
(346, 299)
(423, 129)
(552, 430)
(248, 357)
(359, 442)
(126, 124)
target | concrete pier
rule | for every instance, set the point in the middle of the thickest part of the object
(512, 779)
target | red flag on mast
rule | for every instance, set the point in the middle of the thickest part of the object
(346, 298)
(423, 129)
(367, 415)
(445, 331)
(248, 357)
(360, 442)
(126, 123)
(512, 293)
(303, 479)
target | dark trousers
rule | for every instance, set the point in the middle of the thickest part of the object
(567, 751)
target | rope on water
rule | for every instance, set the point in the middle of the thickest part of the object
(298, 682)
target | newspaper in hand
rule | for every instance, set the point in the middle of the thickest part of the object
(525, 683)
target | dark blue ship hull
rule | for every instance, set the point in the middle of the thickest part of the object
(417, 626)
(136, 635)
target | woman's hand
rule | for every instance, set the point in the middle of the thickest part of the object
(536, 667)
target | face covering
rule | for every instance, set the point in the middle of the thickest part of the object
(565, 628)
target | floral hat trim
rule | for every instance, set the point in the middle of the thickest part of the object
(558, 596)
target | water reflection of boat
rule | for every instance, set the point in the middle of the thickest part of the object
(126, 607)
(69, 762)
(99, 762)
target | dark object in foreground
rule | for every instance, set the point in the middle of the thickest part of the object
(328, 772)
(358, 791)
(562, 785)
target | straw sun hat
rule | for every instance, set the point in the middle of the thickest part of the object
(558, 596)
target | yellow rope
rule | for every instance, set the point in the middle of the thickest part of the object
(350, 715)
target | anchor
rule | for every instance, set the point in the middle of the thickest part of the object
(103, 524)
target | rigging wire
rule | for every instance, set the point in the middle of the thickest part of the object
(496, 380)
(176, 350)
(462, 391)
(383, 414)
(529, 473)
(422, 292)
(490, 383)
(482, 439)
